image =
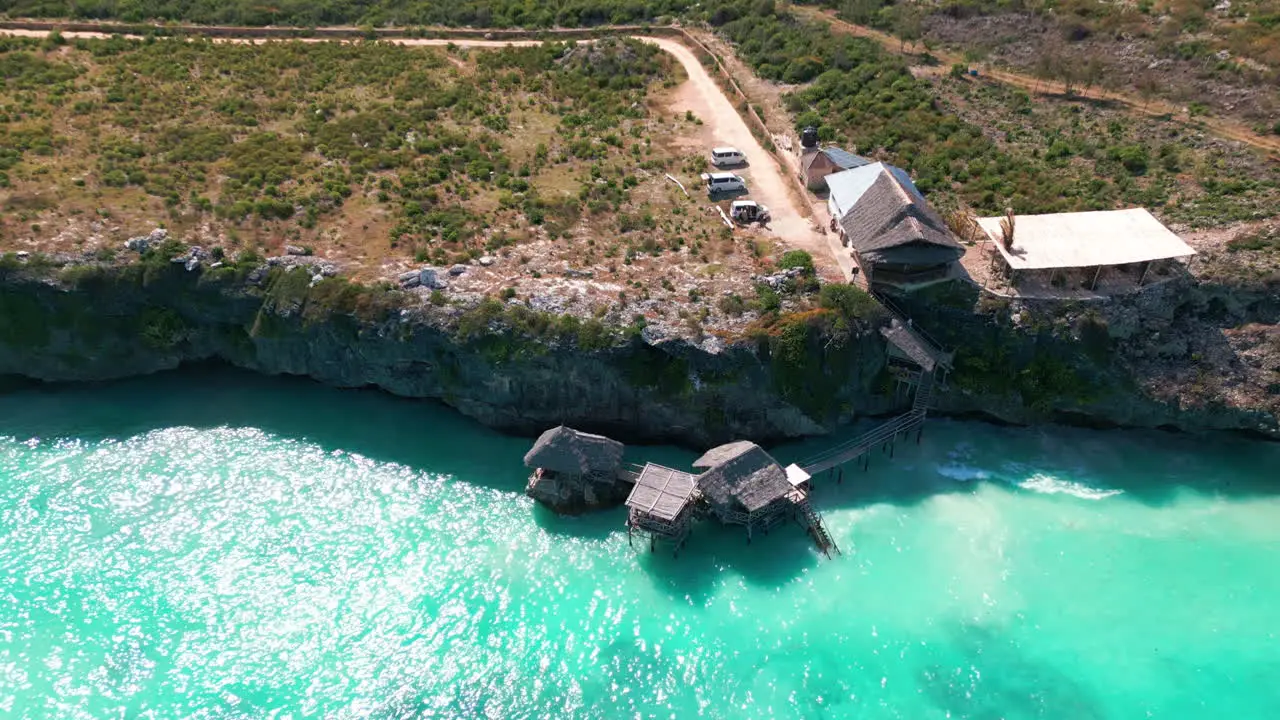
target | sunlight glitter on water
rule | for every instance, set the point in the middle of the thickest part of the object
(239, 549)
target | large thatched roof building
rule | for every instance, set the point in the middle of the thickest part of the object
(895, 236)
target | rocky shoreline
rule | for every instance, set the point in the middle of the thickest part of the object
(519, 371)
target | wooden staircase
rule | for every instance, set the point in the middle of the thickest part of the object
(812, 522)
(925, 391)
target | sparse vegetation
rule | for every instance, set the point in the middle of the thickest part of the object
(1059, 158)
(355, 152)
(364, 13)
(1224, 56)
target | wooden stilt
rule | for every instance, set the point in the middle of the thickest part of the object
(840, 476)
(891, 451)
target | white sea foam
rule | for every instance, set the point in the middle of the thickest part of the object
(962, 473)
(1051, 485)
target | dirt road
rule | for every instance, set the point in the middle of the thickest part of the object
(1217, 126)
(767, 182)
(766, 179)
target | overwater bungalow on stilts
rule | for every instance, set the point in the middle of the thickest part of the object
(743, 485)
(739, 483)
(661, 505)
(574, 470)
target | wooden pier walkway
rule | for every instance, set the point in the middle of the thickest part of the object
(907, 343)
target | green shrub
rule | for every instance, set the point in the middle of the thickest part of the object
(797, 259)
(849, 301)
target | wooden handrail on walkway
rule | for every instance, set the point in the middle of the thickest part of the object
(854, 449)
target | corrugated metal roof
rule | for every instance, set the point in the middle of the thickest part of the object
(845, 159)
(848, 186)
(842, 159)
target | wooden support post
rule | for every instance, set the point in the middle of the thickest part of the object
(840, 477)
(1096, 273)
(919, 433)
(1143, 278)
(891, 450)
(866, 461)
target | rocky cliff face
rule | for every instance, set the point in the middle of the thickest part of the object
(1128, 362)
(497, 366)
(1185, 355)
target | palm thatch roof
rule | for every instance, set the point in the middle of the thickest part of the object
(747, 476)
(661, 492)
(565, 450)
(723, 453)
(892, 223)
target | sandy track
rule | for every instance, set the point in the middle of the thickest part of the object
(700, 95)
(766, 179)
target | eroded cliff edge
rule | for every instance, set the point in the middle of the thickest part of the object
(519, 370)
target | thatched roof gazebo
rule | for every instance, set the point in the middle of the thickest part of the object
(573, 470)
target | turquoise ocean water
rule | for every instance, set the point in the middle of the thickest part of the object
(216, 545)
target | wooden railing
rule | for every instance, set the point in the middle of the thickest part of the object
(886, 432)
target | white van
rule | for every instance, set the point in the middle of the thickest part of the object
(727, 156)
(723, 182)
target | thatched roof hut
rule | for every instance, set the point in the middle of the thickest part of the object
(565, 450)
(661, 492)
(744, 478)
(723, 453)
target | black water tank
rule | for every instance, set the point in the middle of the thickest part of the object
(809, 137)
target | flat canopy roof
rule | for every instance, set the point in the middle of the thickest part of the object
(661, 492)
(1086, 239)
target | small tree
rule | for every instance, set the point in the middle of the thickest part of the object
(908, 26)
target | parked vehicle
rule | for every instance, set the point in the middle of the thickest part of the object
(745, 212)
(727, 156)
(723, 182)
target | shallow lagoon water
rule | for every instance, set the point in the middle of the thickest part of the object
(219, 545)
